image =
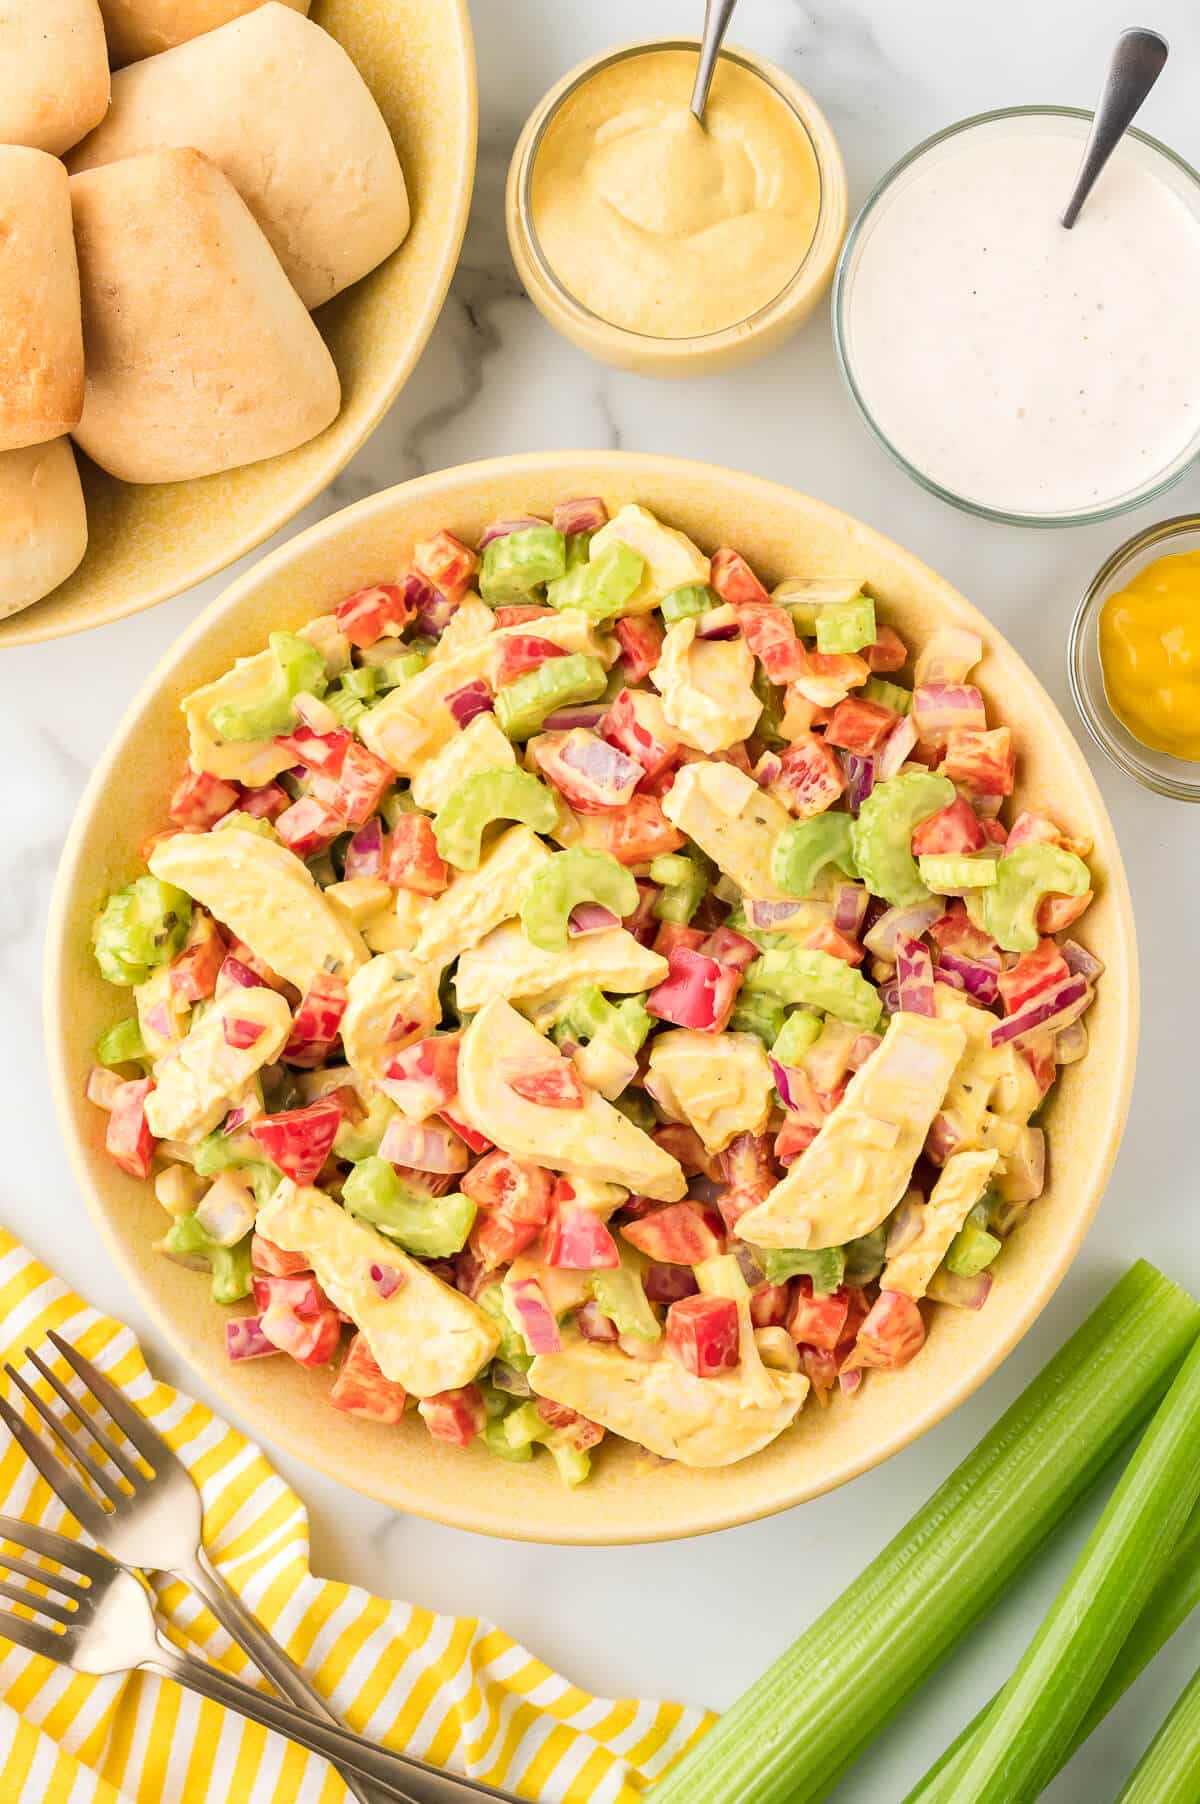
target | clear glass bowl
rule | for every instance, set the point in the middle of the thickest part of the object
(1172, 169)
(1157, 770)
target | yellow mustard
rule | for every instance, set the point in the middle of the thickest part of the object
(1150, 652)
(660, 225)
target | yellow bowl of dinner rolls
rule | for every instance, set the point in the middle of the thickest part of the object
(229, 228)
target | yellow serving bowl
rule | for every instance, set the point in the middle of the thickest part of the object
(629, 1498)
(149, 542)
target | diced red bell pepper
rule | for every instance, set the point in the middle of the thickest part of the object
(626, 725)
(859, 726)
(308, 826)
(817, 1321)
(423, 1077)
(892, 1335)
(521, 653)
(361, 1389)
(831, 939)
(956, 932)
(496, 1239)
(828, 676)
(241, 1034)
(1033, 829)
(578, 1240)
(810, 779)
(515, 1187)
(769, 1304)
(298, 1318)
(317, 1022)
(686, 1147)
(952, 830)
(1033, 972)
(368, 614)
(794, 1137)
(324, 753)
(273, 1261)
(446, 562)
(1042, 1062)
(454, 1118)
(889, 651)
(299, 1140)
(697, 992)
(985, 762)
(551, 1086)
(640, 831)
(746, 1163)
(704, 1335)
(200, 800)
(413, 858)
(677, 1234)
(733, 579)
(522, 613)
(821, 1370)
(672, 934)
(730, 948)
(193, 975)
(127, 1138)
(454, 1416)
(266, 803)
(361, 787)
(580, 1431)
(641, 640)
(769, 633)
(1058, 912)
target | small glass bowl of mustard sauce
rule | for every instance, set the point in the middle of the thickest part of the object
(664, 247)
(1134, 657)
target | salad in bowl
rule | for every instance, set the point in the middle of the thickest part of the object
(576, 991)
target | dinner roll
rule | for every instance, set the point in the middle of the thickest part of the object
(277, 103)
(138, 28)
(53, 72)
(199, 353)
(43, 526)
(41, 338)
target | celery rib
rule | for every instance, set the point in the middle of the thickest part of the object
(1030, 1729)
(788, 1739)
(1169, 1770)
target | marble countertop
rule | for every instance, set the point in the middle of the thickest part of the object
(694, 1620)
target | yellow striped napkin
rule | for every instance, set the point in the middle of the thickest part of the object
(454, 1690)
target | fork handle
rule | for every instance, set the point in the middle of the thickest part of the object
(398, 1778)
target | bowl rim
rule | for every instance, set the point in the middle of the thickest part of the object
(22, 628)
(1094, 708)
(699, 1515)
(839, 303)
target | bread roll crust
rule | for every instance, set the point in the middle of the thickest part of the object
(199, 353)
(41, 335)
(279, 106)
(138, 28)
(53, 72)
(43, 525)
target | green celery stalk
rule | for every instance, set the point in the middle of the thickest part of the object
(1031, 1727)
(789, 1738)
(1169, 1771)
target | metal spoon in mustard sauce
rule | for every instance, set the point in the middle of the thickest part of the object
(717, 14)
(1136, 65)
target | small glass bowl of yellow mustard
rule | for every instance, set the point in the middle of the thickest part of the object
(663, 246)
(1134, 657)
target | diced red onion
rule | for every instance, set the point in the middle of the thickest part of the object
(768, 770)
(718, 624)
(954, 979)
(387, 1280)
(537, 1320)
(586, 714)
(1023, 1175)
(237, 1118)
(500, 529)
(235, 975)
(860, 779)
(864, 1045)
(895, 748)
(964, 1293)
(586, 513)
(889, 995)
(942, 708)
(1081, 962)
(770, 914)
(1071, 1044)
(315, 714)
(593, 1324)
(364, 854)
(947, 655)
(603, 765)
(432, 610)
(975, 975)
(226, 1212)
(472, 699)
(849, 1382)
(850, 902)
(1050, 1010)
(881, 938)
(423, 1145)
(791, 1083)
(703, 1189)
(590, 917)
(102, 1087)
(244, 1338)
(914, 975)
(905, 1224)
(749, 1264)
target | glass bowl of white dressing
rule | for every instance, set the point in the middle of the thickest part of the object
(1028, 374)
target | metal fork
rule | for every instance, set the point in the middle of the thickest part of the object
(99, 1619)
(155, 1526)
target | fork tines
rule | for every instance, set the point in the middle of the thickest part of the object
(82, 1447)
(68, 1602)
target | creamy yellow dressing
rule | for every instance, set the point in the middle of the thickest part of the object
(660, 225)
(1150, 650)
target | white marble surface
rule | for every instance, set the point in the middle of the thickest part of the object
(697, 1620)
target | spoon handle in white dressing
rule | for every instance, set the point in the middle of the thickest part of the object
(717, 14)
(1136, 65)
